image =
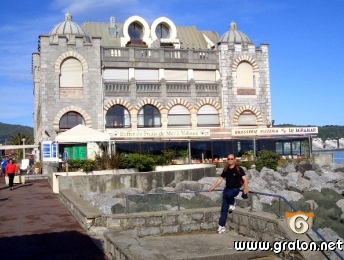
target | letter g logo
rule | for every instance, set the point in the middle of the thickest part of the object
(299, 222)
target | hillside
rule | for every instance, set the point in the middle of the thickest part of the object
(7, 130)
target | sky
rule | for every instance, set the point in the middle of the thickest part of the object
(306, 54)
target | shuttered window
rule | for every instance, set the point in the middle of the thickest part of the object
(147, 75)
(247, 118)
(207, 116)
(176, 75)
(116, 75)
(204, 76)
(245, 75)
(179, 116)
(71, 74)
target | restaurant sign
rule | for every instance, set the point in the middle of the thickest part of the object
(185, 133)
(274, 131)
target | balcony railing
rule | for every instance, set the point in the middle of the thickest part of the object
(160, 55)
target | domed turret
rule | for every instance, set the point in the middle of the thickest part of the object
(69, 29)
(234, 36)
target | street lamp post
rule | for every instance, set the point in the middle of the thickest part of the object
(23, 147)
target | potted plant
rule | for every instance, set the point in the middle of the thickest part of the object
(248, 155)
(38, 166)
(184, 155)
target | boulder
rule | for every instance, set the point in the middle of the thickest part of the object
(312, 204)
(290, 195)
(188, 185)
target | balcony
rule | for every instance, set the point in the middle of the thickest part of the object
(150, 58)
(162, 89)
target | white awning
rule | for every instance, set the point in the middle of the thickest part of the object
(81, 134)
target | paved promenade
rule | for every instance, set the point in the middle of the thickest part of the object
(35, 225)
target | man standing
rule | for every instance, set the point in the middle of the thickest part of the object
(234, 176)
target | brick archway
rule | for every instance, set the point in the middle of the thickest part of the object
(250, 108)
(87, 118)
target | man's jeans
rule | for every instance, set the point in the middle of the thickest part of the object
(228, 198)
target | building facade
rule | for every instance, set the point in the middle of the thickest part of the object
(150, 86)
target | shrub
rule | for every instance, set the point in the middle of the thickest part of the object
(142, 162)
(107, 161)
(76, 165)
(267, 159)
(169, 155)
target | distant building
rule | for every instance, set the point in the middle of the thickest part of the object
(152, 87)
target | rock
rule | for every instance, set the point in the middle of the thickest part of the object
(312, 204)
(340, 204)
(310, 175)
(327, 233)
(290, 195)
(288, 168)
(304, 166)
(187, 196)
(300, 186)
(188, 185)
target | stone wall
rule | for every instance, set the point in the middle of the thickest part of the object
(322, 159)
(146, 181)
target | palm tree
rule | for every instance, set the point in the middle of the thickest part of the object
(17, 139)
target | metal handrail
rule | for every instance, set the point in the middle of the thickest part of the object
(251, 200)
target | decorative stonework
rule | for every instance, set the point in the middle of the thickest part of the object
(69, 54)
(246, 58)
(178, 101)
(208, 101)
(149, 101)
(118, 101)
(87, 118)
(250, 108)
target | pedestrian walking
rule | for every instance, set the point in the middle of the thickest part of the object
(10, 171)
(235, 178)
(4, 162)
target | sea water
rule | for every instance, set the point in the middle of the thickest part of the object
(338, 157)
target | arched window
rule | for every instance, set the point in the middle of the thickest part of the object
(247, 118)
(207, 116)
(71, 74)
(149, 116)
(71, 119)
(162, 31)
(135, 31)
(245, 75)
(117, 116)
(179, 116)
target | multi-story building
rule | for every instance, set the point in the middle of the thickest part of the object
(152, 87)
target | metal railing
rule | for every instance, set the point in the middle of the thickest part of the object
(279, 215)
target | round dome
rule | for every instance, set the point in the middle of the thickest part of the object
(234, 36)
(69, 29)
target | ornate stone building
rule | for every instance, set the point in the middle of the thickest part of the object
(157, 84)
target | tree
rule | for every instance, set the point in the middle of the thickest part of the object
(17, 139)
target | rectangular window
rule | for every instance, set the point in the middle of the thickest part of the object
(116, 75)
(204, 76)
(176, 75)
(147, 75)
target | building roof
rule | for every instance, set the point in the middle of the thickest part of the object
(108, 36)
(69, 29)
(233, 35)
(189, 36)
(81, 134)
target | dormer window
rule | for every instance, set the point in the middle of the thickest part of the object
(135, 31)
(162, 31)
